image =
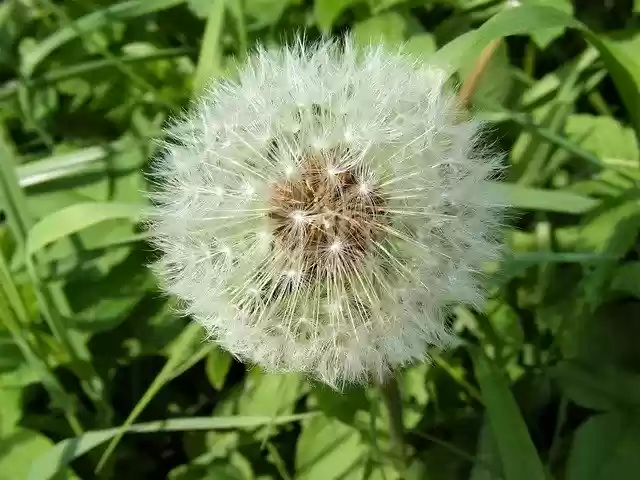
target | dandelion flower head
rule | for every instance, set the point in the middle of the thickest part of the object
(320, 212)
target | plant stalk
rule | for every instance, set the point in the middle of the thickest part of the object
(392, 398)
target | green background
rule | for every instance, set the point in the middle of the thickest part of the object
(546, 383)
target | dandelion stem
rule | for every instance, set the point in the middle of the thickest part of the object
(392, 398)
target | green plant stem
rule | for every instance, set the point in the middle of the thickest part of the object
(392, 398)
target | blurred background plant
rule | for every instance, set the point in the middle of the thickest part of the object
(99, 378)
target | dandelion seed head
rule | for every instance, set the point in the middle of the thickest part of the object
(321, 212)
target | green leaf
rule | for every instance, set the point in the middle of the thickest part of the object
(209, 61)
(328, 448)
(341, 405)
(543, 38)
(599, 387)
(532, 156)
(220, 469)
(178, 352)
(200, 8)
(604, 136)
(10, 355)
(421, 45)
(269, 394)
(102, 301)
(487, 465)
(265, 12)
(613, 230)
(69, 163)
(76, 218)
(606, 447)
(89, 23)
(627, 279)
(519, 456)
(11, 412)
(19, 449)
(217, 367)
(551, 83)
(538, 199)
(624, 69)
(496, 80)
(64, 452)
(327, 12)
(388, 28)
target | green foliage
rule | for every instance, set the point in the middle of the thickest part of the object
(100, 378)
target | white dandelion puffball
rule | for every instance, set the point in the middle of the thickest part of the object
(320, 212)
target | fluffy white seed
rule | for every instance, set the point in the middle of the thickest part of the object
(321, 212)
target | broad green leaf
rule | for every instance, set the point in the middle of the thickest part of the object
(627, 279)
(265, 12)
(624, 69)
(235, 467)
(327, 12)
(606, 447)
(18, 451)
(209, 61)
(64, 452)
(519, 456)
(614, 230)
(217, 367)
(543, 38)
(341, 405)
(389, 28)
(200, 8)
(76, 218)
(612, 182)
(421, 45)
(101, 301)
(269, 394)
(10, 355)
(328, 448)
(604, 136)
(496, 79)
(11, 411)
(89, 23)
(512, 21)
(598, 387)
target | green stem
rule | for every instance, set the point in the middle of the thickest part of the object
(392, 398)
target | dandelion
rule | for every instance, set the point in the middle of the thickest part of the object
(321, 212)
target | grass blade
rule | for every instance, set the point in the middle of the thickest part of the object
(75, 218)
(90, 22)
(183, 344)
(63, 453)
(209, 61)
(519, 456)
(538, 199)
(523, 19)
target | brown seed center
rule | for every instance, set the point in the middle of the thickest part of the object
(326, 217)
